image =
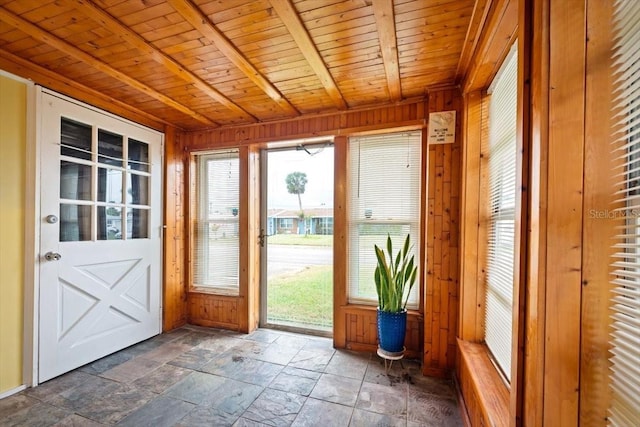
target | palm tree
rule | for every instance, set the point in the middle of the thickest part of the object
(296, 182)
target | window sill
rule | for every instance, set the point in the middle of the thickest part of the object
(359, 307)
(486, 397)
(214, 291)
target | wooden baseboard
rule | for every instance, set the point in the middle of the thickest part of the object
(464, 413)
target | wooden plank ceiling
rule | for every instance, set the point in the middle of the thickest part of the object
(206, 63)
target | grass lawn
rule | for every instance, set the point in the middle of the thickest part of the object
(304, 298)
(301, 239)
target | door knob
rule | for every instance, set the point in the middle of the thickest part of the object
(52, 256)
(51, 219)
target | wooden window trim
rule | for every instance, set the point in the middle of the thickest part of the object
(342, 308)
(213, 308)
(480, 379)
(474, 221)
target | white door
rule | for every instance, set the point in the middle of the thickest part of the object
(100, 234)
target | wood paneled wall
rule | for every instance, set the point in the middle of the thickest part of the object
(409, 115)
(431, 331)
(566, 354)
(568, 312)
(472, 296)
(361, 330)
(175, 239)
(216, 311)
(442, 244)
(599, 160)
(562, 363)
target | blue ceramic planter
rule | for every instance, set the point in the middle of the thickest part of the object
(391, 331)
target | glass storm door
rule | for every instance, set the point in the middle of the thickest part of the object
(297, 237)
(100, 230)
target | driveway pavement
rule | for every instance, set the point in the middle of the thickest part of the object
(282, 259)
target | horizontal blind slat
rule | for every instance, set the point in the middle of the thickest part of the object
(625, 301)
(501, 154)
(384, 197)
(217, 245)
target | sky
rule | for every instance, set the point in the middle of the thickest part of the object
(319, 170)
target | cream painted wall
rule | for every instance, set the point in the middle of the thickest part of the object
(13, 111)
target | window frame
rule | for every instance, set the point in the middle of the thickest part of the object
(507, 397)
(199, 208)
(415, 225)
(500, 143)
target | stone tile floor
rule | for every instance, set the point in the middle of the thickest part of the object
(208, 377)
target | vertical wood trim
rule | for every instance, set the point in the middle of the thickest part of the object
(253, 229)
(340, 241)
(535, 327)
(244, 306)
(424, 179)
(564, 219)
(468, 329)
(595, 394)
(521, 217)
(484, 213)
(174, 290)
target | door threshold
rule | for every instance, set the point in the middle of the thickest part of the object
(298, 330)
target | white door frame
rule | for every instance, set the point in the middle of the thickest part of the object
(35, 134)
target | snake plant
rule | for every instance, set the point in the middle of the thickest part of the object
(394, 277)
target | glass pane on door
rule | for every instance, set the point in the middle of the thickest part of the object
(75, 223)
(105, 182)
(109, 223)
(109, 148)
(299, 246)
(75, 181)
(138, 224)
(75, 139)
(138, 155)
(109, 185)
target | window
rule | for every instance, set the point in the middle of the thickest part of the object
(501, 153)
(216, 241)
(625, 300)
(286, 223)
(384, 187)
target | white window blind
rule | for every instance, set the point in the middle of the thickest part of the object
(384, 196)
(502, 196)
(625, 300)
(217, 243)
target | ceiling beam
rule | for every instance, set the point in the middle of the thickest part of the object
(203, 24)
(53, 41)
(45, 77)
(93, 11)
(385, 22)
(292, 21)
